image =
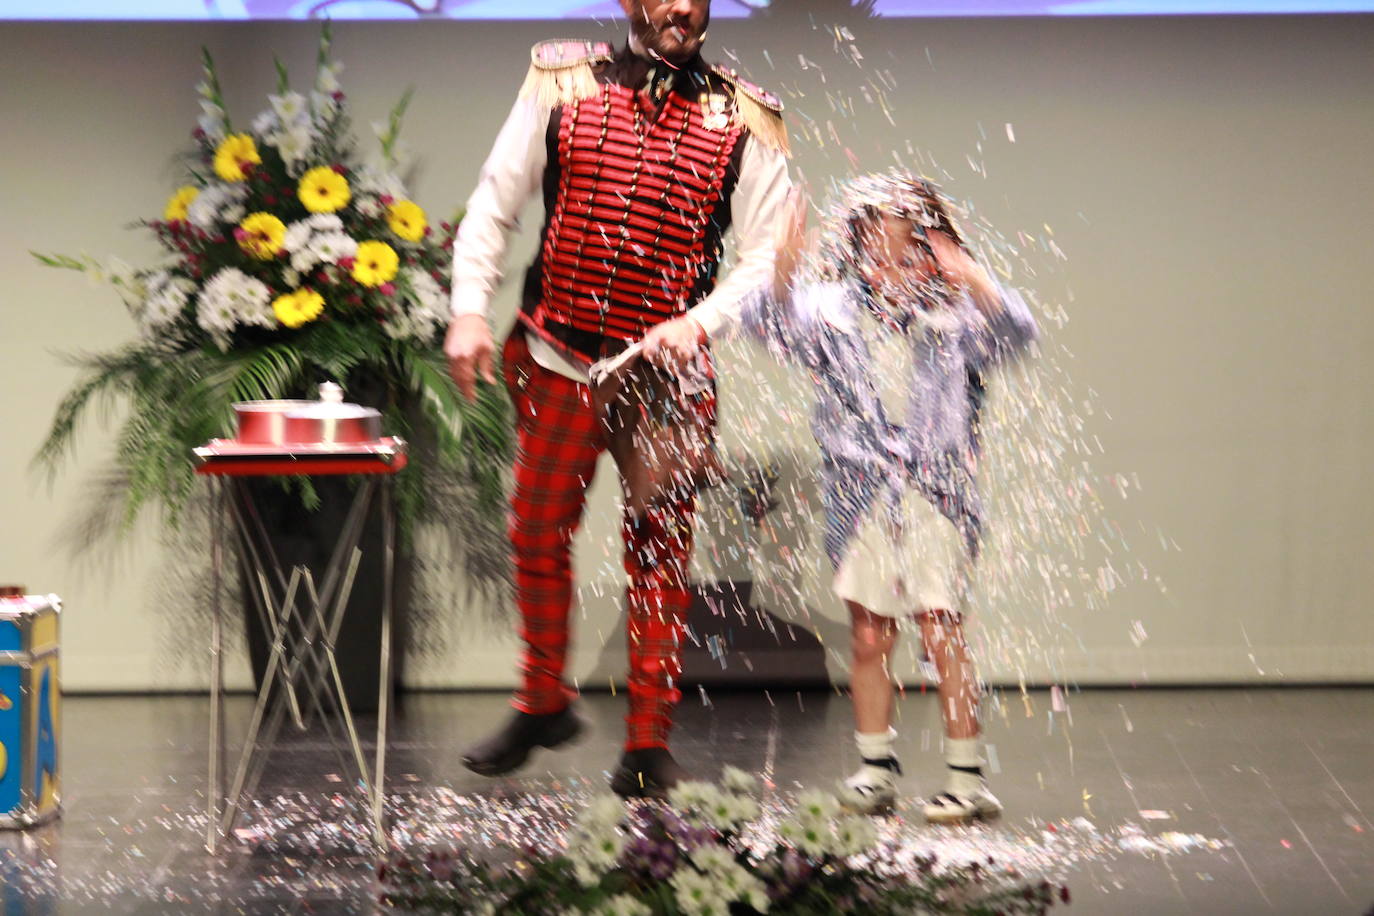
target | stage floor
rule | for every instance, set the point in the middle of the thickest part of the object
(1142, 801)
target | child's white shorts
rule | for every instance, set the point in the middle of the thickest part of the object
(904, 564)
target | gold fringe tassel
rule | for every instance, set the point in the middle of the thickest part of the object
(763, 122)
(561, 85)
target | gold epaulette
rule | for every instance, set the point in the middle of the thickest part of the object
(757, 110)
(561, 70)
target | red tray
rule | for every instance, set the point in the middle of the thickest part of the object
(230, 458)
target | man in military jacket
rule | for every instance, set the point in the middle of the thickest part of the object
(645, 157)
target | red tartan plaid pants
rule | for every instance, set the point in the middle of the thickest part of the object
(559, 438)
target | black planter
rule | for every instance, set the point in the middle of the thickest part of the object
(303, 538)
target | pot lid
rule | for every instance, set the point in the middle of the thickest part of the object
(331, 406)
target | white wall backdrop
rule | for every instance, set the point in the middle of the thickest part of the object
(1206, 180)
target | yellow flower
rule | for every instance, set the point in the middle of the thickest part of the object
(296, 308)
(236, 151)
(407, 220)
(375, 263)
(261, 235)
(323, 190)
(181, 200)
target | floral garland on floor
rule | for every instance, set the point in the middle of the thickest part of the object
(708, 852)
(288, 261)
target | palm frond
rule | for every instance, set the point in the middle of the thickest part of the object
(106, 378)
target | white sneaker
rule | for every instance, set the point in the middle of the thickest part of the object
(948, 808)
(872, 790)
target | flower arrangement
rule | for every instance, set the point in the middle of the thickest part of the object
(712, 851)
(288, 261)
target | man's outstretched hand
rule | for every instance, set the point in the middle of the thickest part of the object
(674, 345)
(469, 348)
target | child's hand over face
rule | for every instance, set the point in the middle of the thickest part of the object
(957, 267)
(964, 273)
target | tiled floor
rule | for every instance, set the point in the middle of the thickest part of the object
(1150, 802)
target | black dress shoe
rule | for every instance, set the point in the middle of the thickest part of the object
(510, 747)
(647, 773)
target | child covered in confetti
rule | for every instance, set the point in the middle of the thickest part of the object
(897, 329)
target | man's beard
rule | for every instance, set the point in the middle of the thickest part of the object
(674, 43)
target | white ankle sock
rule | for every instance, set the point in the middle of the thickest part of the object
(965, 753)
(876, 745)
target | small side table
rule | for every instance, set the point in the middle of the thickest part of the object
(302, 661)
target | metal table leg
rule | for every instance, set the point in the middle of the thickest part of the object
(295, 655)
(214, 789)
(384, 687)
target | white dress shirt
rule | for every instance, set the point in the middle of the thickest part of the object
(514, 172)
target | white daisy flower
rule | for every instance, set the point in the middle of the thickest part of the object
(429, 308)
(815, 806)
(625, 905)
(330, 247)
(742, 809)
(325, 222)
(216, 203)
(304, 260)
(400, 326)
(853, 836)
(813, 839)
(693, 795)
(712, 859)
(738, 781)
(696, 894)
(368, 205)
(297, 235)
(728, 811)
(232, 298)
(166, 301)
(585, 873)
(602, 847)
(735, 881)
(604, 811)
